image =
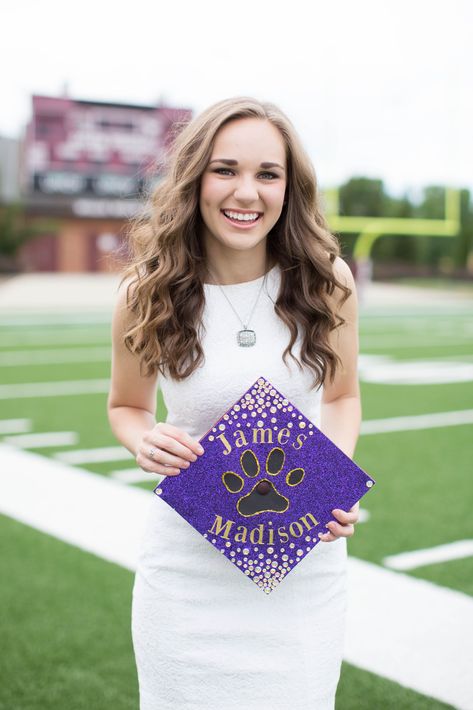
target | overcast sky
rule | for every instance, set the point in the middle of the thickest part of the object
(374, 87)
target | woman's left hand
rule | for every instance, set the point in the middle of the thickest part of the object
(343, 525)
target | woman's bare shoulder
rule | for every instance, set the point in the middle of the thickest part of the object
(124, 296)
(343, 273)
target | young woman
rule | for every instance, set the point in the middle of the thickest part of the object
(234, 240)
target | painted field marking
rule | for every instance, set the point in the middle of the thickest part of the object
(20, 320)
(43, 439)
(411, 631)
(82, 508)
(53, 389)
(416, 372)
(433, 555)
(417, 421)
(406, 342)
(136, 475)
(371, 426)
(15, 426)
(99, 455)
(44, 338)
(12, 358)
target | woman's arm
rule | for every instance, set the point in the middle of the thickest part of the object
(341, 404)
(132, 408)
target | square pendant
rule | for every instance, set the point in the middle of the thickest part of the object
(246, 338)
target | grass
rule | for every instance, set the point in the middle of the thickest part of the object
(66, 614)
(65, 626)
(444, 283)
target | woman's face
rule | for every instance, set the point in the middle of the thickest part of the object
(243, 186)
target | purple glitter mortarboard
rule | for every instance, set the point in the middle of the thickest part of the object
(267, 482)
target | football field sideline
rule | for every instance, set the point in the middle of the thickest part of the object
(408, 630)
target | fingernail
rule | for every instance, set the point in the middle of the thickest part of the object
(200, 450)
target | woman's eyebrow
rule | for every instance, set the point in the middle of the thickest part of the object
(229, 161)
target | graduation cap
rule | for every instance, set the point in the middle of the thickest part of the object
(265, 486)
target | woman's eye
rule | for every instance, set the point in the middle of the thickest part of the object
(227, 171)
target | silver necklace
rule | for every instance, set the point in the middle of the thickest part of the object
(245, 337)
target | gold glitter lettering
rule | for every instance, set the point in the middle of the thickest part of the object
(303, 519)
(259, 530)
(283, 434)
(241, 536)
(219, 525)
(262, 437)
(225, 443)
(241, 439)
(283, 534)
(292, 527)
(299, 441)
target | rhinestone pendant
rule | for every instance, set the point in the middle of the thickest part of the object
(246, 338)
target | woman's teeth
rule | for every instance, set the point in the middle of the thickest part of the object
(249, 217)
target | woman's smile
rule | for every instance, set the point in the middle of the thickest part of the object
(242, 220)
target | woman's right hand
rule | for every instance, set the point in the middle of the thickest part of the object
(165, 449)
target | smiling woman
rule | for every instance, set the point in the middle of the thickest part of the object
(234, 274)
(243, 196)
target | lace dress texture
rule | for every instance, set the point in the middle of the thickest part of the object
(205, 637)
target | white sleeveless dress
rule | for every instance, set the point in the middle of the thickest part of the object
(204, 637)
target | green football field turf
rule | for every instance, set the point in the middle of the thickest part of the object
(65, 625)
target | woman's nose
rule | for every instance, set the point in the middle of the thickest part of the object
(246, 190)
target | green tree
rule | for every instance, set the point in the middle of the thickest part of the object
(464, 242)
(15, 232)
(362, 197)
(432, 205)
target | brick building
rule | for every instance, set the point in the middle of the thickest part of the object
(83, 167)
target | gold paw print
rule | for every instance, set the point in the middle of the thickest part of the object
(263, 497)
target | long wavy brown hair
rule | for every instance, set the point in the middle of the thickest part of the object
(166, 263)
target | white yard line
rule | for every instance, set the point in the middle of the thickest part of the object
(431, 556)
(373, 426)
(135, 475)
(363, 515)
(13, 358)
(419, 341)
(53, 389)
(99, 455)
(15, 426)
(20, 320)
(411, 631)
(71, 337)
(90, 511)
(43, 439)
(418, 421)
